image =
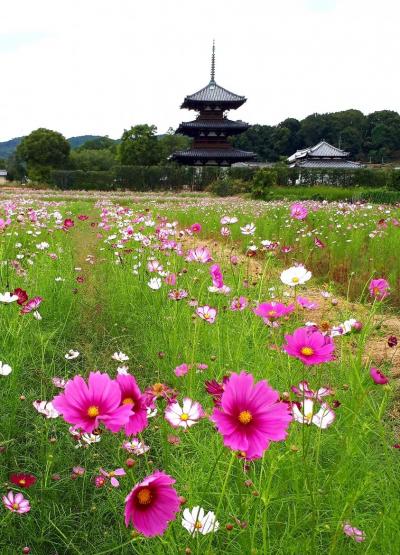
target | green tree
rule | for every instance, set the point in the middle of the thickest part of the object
(170, 143)
(100, 143)
(42, 151)
(140, 146)
(92, 160)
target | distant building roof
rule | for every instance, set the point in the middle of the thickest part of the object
(209, 155)
(320, 150)
(326, 163)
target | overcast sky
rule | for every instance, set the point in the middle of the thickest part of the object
(99, 66)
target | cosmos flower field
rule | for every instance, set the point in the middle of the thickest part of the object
(185, 374)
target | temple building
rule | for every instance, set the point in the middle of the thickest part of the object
(322, 156)
(211, 129)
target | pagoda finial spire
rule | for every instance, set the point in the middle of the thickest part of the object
(213, 62)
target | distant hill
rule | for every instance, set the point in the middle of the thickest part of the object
(8, 147)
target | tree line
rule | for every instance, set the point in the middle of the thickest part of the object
(371, 138)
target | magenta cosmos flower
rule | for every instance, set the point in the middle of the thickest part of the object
(352, 532)
(16, 503)
(310, 346)
(272, 311)
(152, 504)
(86, 405)
(378, 376)
(131, 395)
(379, 289)
(250, 415)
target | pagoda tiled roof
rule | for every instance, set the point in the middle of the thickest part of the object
(210, 153)
(213, 93)
(320, 150)
(214, 124)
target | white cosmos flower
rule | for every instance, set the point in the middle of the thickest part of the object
(123, 370)
(42, 246)
(46, 408)
(8, 297)
(196, 521)
(184, 416)
(5, 369)
(305, 415)
(120, 356)
(296, 275)
(135, 447)
(36, 314)
(154, 283)
(248, 229)
(71, 355)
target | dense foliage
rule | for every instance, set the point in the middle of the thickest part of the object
(375, 137)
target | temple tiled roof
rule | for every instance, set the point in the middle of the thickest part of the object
(213, 93)
(333, 164)
(215, 124)
(320, 150)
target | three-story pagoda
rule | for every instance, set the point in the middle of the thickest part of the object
(211, 129)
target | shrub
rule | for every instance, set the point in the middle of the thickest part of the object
(262, 181)
(225, 186)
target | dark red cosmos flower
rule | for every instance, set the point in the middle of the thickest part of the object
(83, 217)
(68, 223)
(392, 340)
(23, 480)
(216, 389)
(318, 243)
(80, 279)
(21, 294)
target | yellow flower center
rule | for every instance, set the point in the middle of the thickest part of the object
(308, 416)
(93, 411)
(128, 401)
(376, 290)
(15, 506)
(144, 496)
(272, 313)
(184, 416)
(307, 351)
(295, 280)
(245, 417)
(198, 525)
(22, 481)
(158, 387)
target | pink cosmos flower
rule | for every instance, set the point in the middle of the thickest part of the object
(207, 313)
(310, 346)
(216, 275)
(216, 389)
(355, 533)
(132, 396)
(68, 223)
(251, 415)
(86, 405)
(318, 243)
(379, 289)
(178, 294)
(152, 504)
(298, 211)
(225, 231)
(111, 475)
(239, 304)
(32, 304)
(181, 370)
(170, 279)
(184, 416)
(272, 311)
(16, 503)
(378, 377)
(307, 303)
(195, 228)
(199, 254)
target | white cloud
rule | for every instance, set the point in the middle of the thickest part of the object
(98, 66)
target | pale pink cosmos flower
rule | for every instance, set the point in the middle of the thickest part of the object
(135, 447)
(58, 382)
(32, 304)
(16, 503)
(298, 211)
(303, 390)
(248, 229)
(184, 416)
(307, 303)
(199, 254)
(352, 532)
(46, 408)
(111, 475)
(170, 279)
(228, 220)
(225, 231)
(239, 304)
(207, 313)
(303, 412)
(181, 370)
